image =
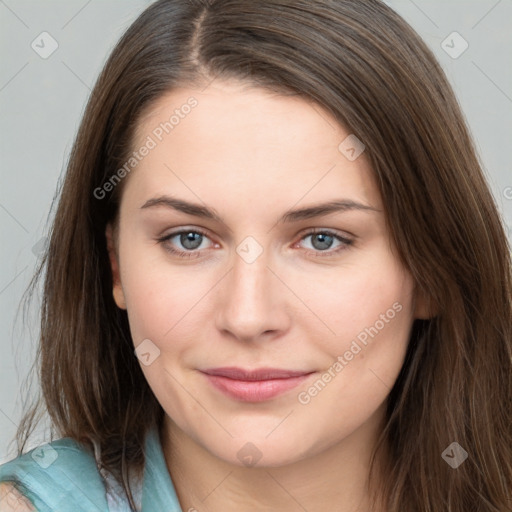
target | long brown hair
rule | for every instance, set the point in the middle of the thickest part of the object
(366, 66)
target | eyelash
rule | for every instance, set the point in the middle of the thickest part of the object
(346, 242)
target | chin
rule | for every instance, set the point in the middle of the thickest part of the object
(252, 452)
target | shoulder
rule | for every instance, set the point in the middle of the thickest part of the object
(54, 473)
(11, 500)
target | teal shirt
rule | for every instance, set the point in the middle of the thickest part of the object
(62, 476)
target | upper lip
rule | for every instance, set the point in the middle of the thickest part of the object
(235, 373)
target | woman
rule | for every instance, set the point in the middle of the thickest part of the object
(276, 279)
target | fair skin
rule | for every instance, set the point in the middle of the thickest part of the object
(251, 156)
(11, 500)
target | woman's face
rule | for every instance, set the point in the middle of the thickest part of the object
(263, 276)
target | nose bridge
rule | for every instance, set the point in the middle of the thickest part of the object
(250, 305)
(249, 284)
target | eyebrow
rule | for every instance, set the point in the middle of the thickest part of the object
(197, 210)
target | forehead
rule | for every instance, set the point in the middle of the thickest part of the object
(250, 115)
(230, 139)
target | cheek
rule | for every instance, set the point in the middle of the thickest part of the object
(370, 310)
(159, 296)
(366, 301)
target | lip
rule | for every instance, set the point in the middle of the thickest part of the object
(254, 385)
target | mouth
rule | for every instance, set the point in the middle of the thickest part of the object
(254, 385)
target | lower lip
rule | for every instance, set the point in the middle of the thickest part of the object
(256, 390)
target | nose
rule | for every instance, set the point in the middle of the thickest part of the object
(252, 301)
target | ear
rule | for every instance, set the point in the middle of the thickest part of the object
(117, 290)
(424, 309)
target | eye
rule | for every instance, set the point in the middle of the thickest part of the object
(323, 240)
(192, 239)
(189, 239)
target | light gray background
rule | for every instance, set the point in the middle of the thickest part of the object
(41, 102)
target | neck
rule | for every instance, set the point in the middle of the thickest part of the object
(335, 478)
